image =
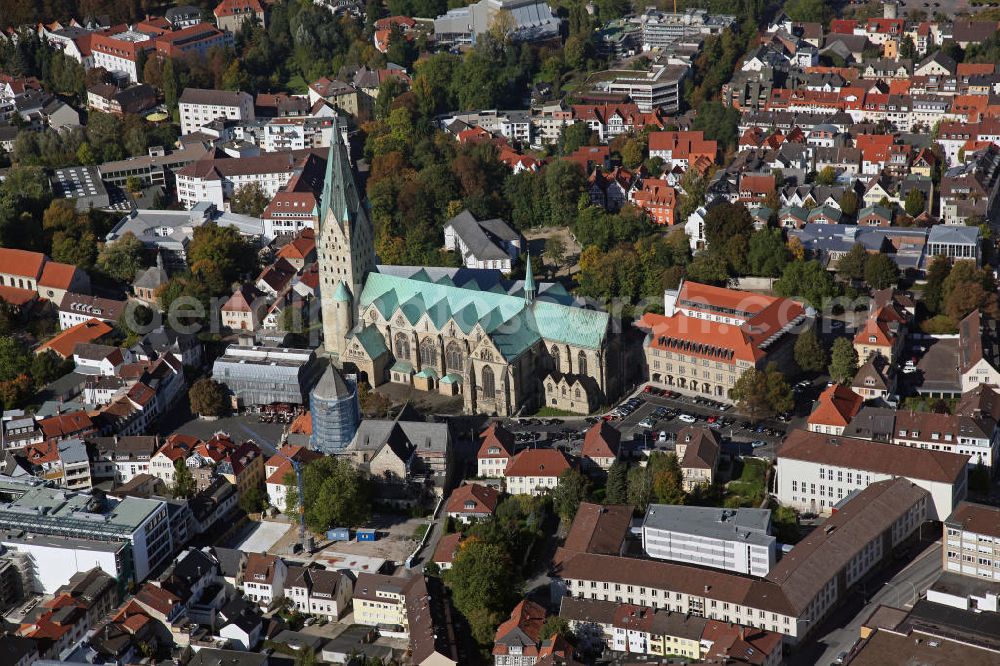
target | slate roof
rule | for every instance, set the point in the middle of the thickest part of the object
(484, 239)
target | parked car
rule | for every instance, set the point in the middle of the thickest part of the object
(686, 418)
(757, 443)
(647, 423)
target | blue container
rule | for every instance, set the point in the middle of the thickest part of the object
(339, 534)
(367, 535)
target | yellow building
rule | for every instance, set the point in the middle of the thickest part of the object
(381, 599)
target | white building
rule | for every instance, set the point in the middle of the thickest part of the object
(535, 471)
(214, 180)
(319, 592)
(482, 243)
(730, 539)
(972, 542)
(264, 578)
(657, 88)
(199, 106)
(815, 471)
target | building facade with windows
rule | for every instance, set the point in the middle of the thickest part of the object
(972, 541)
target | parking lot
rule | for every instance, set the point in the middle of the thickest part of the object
(651, 421)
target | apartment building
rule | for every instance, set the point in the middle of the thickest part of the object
(495, 451)
(215, 179)
(198, 107)
(974, 438)
(319, 591)
(381, 600)
(708, 336)
(816, 471)
(659, 88)
(972, 541)
(736, 540)
(535, 471)
(264, 578)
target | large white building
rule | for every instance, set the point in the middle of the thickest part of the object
(199, 107)
(972, 541)
(732, 539)
(216, 179)
(816, 471)
(66, 532)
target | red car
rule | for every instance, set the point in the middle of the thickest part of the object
(712, 419)
(648, 388)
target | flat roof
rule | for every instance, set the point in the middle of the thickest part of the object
(960, 625)
(886, 648)
(746, 525)
(37, 509)
(976, 518)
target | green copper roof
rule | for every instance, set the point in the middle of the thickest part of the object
(372, 341)
(511, 323)
(428, 373)
(529, 279)
(401, 366)
(341, 294)
(451, 379)
(340, 196)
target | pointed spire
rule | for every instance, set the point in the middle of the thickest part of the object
(529, 282)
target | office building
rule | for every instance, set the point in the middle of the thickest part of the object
(732, 539)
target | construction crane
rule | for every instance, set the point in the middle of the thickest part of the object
(305, 539)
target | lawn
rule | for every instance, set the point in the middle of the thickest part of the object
(420, 531)
(552, 411)
(748, 489)
(297, 85)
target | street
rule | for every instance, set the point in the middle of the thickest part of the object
(841, 630)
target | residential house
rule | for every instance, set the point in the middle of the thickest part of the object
(483, 243)
(264, 578)
(446, 550)
(698, 451)
(471, 502)
(245, 309)
(874, 379)
(518, 639)
(230, 15)
(601, 446)
(64, 343)
(381, 600)
(657, 198)
(535, 471)
(278, 467)
(495, 451)
(834, 409)
(319, 592)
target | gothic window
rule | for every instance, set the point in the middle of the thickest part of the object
(581, 363)
(428, 352)
(402, 347)
(454, 357)
(555, 358)
(578, 394)
(486, 355)
(489, 385)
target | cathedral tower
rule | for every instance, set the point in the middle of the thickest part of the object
(346, 251)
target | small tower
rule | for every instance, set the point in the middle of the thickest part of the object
(342, 309)
(335, 412)
(529, 282)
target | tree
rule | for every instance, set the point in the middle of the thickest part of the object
(810, 355)
(907, 49)
(253, 499)
(208, 397)
(914, 202)
(762, 393)
(219, 256)
(121, 259)
(852, 264)
(184, 485)
(968, 288)
(667, 479)
(15, 360)
(640, 487)
(767, 254)
(633, 152)
(826, 176)
(725, 221)
(937, 272)
(16, 392)
(249, 199)
(843, 361)
(616, 488)
(555, 625)
(807, 279)
(709, 268)
(49, 366)
(810, 11)
(480, 582)
(881, 271)
(576, 136)
(555, 252)
(336, 494)
(849, 203)
(571, 490)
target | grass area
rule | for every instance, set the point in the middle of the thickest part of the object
(747, 489)
(297, 85)
(420, 531)
(552, 411)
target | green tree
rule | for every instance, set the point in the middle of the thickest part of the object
(843, 361)
(249, 199)
(15, 359)
(968, 288)
(810, 355)
(253, 499)
(555, 252)
(937, 272)
(914, 202)
(480, 582)
(907, 49)
(768, 253)
(555, 625)
(762, 393)
(121, 259)
(571, 490)
(812, 11)
(336, 494)
(184, 485)
(709, 268)
(576, 136)
(725, 221)
(807, 279)
(826, 176)
(633, 153)
(564, 183)
(208, 397)
(849, 203)
(640, 487)
(852, 264)
(616, 488)
(667, 479)
(219, 256)
(881, 271)
(49, 366)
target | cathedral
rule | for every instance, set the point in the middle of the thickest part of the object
(503, 346)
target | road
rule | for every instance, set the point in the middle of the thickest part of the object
(841, 630)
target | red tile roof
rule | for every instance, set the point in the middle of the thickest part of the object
(21, 262)
(447, 548)
(601, 441)
(537, 462)
(836, 406)
(65, 425)
(65, 342)
(496, 436)
(485, 499)
(237, 7)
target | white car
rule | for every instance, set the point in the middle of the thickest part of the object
(686, 418)
(662, 437)
(909, 368)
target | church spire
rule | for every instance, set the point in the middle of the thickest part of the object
(529, 282)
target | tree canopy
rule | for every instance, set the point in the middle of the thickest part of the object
(336, 494)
